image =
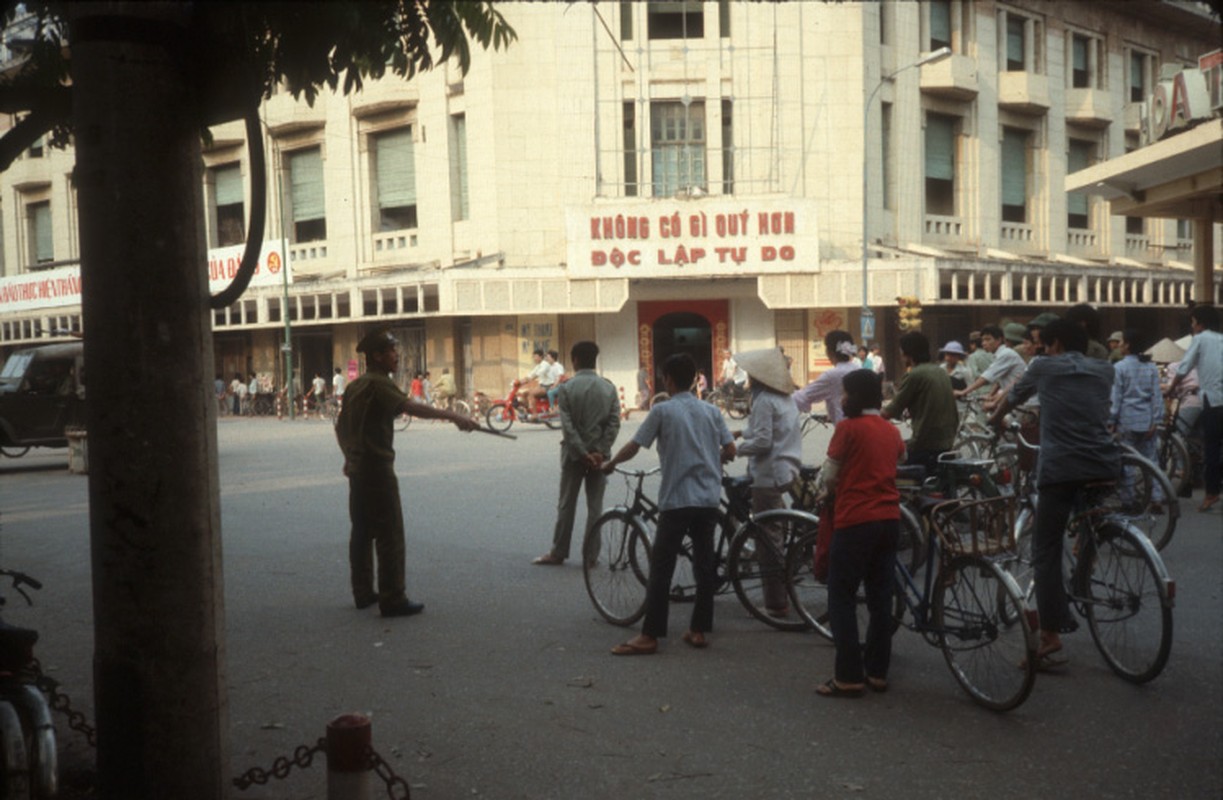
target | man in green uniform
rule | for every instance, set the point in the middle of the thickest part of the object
(365, 430)
(926, 393)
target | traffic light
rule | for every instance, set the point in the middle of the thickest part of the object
(910, 314)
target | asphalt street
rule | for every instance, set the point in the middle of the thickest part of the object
(504, 687)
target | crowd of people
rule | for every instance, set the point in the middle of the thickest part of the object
(1091, 395)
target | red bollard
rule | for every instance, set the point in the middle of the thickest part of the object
(348, 767)
(624, 409)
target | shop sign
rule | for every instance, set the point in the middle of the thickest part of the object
(223, 263)
(821, 322)
(50, 288)
(1185, 98)
(692, 238)
(56, 288)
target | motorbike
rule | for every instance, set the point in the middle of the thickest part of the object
(29, 766)
(504, 413)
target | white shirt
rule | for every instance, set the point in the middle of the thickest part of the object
(1206, 353)
(558, 372)
(337, 384)
(772, 440)
(1007, 368)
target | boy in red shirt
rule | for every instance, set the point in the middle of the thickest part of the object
(861, 468)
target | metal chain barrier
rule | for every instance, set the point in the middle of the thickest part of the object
(60, 702)
(303, 757)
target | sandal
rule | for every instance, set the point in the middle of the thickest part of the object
(876, 684)
(630, 649)
(1048, 660)
(548, 560)
(830, 688)
(695, 639)
(1208, 501)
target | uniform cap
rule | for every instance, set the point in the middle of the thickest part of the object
(1116, 336)
(954, 348)
(1041, 320)
(1014, 332)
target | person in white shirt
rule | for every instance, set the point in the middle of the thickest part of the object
(877, 360)
(537, 381)
(1005, 370)
(337, 384)
(557, 376)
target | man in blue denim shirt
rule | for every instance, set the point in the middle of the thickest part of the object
(1076, 448)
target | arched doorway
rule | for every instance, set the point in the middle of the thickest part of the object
(699, 328)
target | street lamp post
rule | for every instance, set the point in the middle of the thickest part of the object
(868, 317)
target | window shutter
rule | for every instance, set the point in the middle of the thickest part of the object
(940, 147)
(228, 182)
(44, 246)
(1014, 168)
(306, 185)
(1079, 158)
(1014, 40)
(395, 166)
(458, 167)
(940, 22)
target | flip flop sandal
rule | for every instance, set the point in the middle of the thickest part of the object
(877, 685)
(691, 640)
(829, 688)
(630, 649)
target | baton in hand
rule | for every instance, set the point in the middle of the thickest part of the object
(482, 429)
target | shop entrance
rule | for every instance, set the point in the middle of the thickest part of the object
(699, 328)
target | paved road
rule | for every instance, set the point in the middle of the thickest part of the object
(504, 687)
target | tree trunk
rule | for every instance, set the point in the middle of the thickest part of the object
(154, 512)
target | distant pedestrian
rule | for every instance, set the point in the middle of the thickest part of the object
(366, 433)
(590, 419)
(337, 384)
(1205, 353)
(1137, 407)
(839, 346)
(693, 443)
(219, 392)
(239, 389)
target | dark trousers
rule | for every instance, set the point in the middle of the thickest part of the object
(1212, 445)
(698, 525)
(575, 475)
(377, 528)
(862, 554)
(1057, 502)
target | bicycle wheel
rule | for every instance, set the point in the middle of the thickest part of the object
(809, 592)
(738, 407)
(402, 422)
(499, 417)
(14, 452)
(987, 639)
(1175, 462)
(1144, 498)
(1126, 590)
(616, 566)
(461, 407)
(757, 564)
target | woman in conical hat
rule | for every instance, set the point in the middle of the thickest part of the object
(773, 445)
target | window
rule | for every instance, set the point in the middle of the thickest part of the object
(1142, 71)
(38, 148)
(630, 149)
(1081, 155)
(671, 19)
(940, 164)
(626, 20)
(227, 197)
(885, 154)
(1020, 43)
(1087, 59)
(677, 147)
(42, 243)
(458, 167)
(728, 147)
(1184, 229)
(1014, 175)
(940, 24)
(306, 195)
(394, 166)
(724, 19)
(1135, 226)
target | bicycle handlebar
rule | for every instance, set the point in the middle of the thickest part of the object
(637, 473)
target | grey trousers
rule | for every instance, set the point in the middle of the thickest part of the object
(574, 474)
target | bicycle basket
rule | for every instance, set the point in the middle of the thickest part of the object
(975, 527)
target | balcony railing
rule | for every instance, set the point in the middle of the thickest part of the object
(1016, 236)
(393, 242)
(939, 227)
(307, 251)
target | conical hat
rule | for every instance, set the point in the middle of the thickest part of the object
(1165, 351)
(767, 366)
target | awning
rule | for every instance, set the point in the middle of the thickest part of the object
(1180, 177)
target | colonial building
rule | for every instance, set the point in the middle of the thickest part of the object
(680, 176)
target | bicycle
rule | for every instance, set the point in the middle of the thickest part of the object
(959, 599)
(734, 401)
(28, 752)
(616, 552)
(1179, 452)
(1115, 579)
(812, 422)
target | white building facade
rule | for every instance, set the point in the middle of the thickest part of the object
(677, 176)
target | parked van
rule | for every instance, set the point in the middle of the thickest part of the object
(42, 393)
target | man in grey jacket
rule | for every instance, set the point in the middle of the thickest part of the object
(590, 419)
